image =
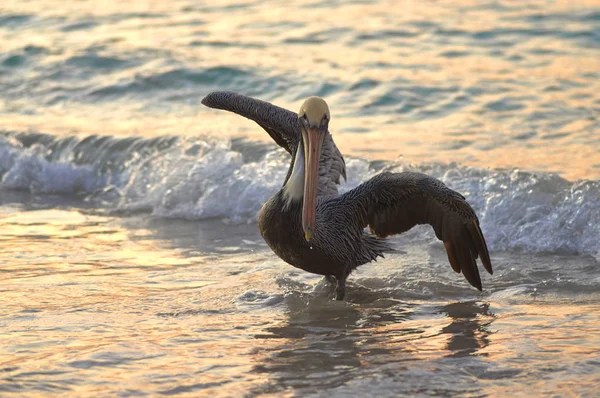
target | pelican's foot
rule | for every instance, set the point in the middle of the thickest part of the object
(340, 290)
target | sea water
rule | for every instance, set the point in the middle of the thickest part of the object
(130, 261)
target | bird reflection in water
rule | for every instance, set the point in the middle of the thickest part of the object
(469, 330)
(326, 344)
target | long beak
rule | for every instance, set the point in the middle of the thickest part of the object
(313, 143)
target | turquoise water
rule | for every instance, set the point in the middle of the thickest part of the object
(131, 263)
(484, 83)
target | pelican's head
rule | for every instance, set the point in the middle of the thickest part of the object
(314, 112)
(314, 122)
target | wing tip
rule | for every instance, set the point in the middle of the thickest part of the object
(474, 279)
(481, 246)
(215, 99)
(478, 285)
(207, 100)
(468, 263)
(462, 255)
(452, 256)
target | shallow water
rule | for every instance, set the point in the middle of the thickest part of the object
(132, 306)
(131, 263)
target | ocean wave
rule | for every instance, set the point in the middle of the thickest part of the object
(201, 178)
(175, 78)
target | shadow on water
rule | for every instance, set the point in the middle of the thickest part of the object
(321, 346)
(326, 344)
(469, 330)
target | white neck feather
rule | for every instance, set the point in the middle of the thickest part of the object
(294, 188)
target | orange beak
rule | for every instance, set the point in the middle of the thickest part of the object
(313, 144)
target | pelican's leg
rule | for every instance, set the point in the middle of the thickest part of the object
(340, 290)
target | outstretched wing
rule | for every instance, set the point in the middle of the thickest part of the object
(281, 124)
(392, 203)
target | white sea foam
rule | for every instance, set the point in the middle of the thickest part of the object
(207, 178)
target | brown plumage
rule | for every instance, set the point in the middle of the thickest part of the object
(311, 227)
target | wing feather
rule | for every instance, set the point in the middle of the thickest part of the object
(283, 127)
(281, 124)
(392, 203)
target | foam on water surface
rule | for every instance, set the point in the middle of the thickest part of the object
(199, 179)
(137, 259)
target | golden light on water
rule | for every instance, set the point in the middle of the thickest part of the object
(384, 46)
(97, 303)
(113, 303)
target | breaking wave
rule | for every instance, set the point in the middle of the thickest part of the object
(207, 177)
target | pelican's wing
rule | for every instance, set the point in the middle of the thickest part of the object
(392, 203)
(281, 124)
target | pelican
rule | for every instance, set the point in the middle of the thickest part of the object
(312, 227)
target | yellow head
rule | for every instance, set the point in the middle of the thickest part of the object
(315, 111)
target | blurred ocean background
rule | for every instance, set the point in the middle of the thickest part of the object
(130, 260)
